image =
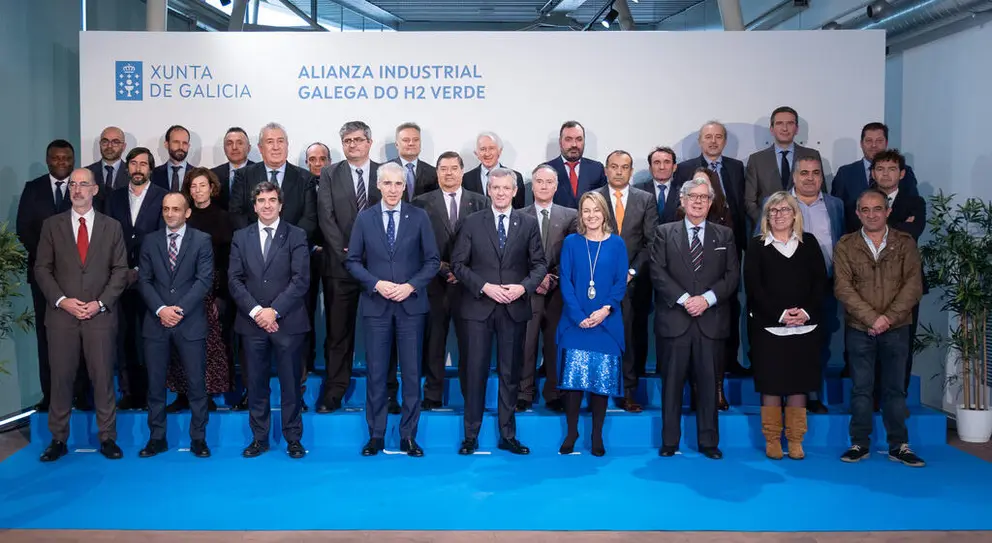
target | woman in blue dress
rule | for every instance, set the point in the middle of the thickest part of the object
(593, 281)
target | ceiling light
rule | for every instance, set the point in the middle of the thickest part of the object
(610, 17)
(832, 25)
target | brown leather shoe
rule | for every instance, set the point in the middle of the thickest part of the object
(721, 400)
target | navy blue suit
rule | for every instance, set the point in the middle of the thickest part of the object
(413, 259)
(185, 287)
(279, 282)
(591, 177)
(852, 179)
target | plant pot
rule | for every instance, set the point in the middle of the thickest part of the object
(974, 425)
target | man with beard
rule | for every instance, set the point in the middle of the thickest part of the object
(582, 174)
(170, 175)
(138, 207)
(236, 148)
(110, 171)
(43, 197)
(488, 149)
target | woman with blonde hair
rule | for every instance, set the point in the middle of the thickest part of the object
(785, 279)
(593, 280)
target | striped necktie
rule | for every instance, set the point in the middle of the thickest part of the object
(696, 250)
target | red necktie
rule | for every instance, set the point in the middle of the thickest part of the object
(573, 178)
(82, 240)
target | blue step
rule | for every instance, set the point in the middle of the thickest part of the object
(540, 429)
(739, 392)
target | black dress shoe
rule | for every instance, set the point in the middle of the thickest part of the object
(55, 450)
(568, 446)
(429, 405)
(211, 404)
(394, 407)
(555, 405)
(523, 405)
(256, 448)
(410, 447)
(667, 452)
(295, 449)
(181, 403)
(328, 406)
(373, 446)
(712, 453)
(469, 446)
(154, 446)
(110, 450)
(816, 407)
(242, 404)
(42, 406)
(199, 448)
(598, 450)
(304, 407)
(513, 446)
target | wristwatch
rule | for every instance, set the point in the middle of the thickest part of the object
(103, 308)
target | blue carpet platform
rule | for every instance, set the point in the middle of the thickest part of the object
(629, 489)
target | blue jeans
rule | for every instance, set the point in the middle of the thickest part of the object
(889, 350)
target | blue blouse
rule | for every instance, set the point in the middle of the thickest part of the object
(611, 285)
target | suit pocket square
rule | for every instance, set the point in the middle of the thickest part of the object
(719, 248)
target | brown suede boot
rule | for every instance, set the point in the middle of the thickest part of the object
(771, 427)
(795, 430)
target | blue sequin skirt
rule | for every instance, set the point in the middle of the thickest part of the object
(591, 371)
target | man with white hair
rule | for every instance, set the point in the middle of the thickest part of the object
(488, 149)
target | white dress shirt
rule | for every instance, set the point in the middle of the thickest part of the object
(365, 176)
(624, 192)
(892, 197)
(506, 220)
(658, 186)
(875, 252)
(578, 164)
(136, 199)
(261, 245)
(709, 295)
(540, 216)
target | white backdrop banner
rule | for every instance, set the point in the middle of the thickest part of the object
(631, 90)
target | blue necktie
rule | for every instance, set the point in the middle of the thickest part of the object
(59, 197)
(502, 232)
(391, 230)
(662, 198)
(409, 182)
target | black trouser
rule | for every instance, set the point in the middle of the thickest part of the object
(543, 324)
(692, 351)
(382, 335)
(342, 296)
(509, 359)
(443, 299)
(193, 357)
(288, 351)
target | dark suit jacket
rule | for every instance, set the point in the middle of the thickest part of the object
(185, 287)
(908, 204)
(732, 173)
(36, 204)
(671, 198)
(762, 178)
(338, 208)
(162, 175)
(299, 199)
(591, 177)
(223, 173)
(472, 180)
(121, 179)
(149, 218)
(280, 282)
(672, 276)
(424, 180)
(436, 205)
(640, 217)
(59, 272)
(414, 258)
(563, 221)
(852, 179)
(477, 260)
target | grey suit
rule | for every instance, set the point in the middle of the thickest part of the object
(546, 308)
(692, 342)
(58, 272)
(762, 177)
(640, 218)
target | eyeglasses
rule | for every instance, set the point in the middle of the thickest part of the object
(772, 212)
(697, 197)
(81, 185)
(115, 143)
(354, 141)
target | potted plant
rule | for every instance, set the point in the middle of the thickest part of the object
(957, 261)
(13, 266)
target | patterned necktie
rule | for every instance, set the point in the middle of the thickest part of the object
(785, 170)
(501, 231)
(409, 182)
(696, 250)
(545, 226)
(573, 177)
(391, 230)
(713, 166)
(274, 177)
(82, 240)
(452, 210)
(268, 244)
(662, 198)
(109, 179)
(618, 210)
(175, 179)
(173, 251)
(59, 197)
(363, 199)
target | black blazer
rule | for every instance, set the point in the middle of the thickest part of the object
(121, 179)
(424, 180)
(640, 218)
(162, 177)
(732, 173)
(592, 175)
(472, 180)
(338, 206)
(185, 287)
(906, 205)
(223, 173)
(477, 260)
(299, 199)
(672, 202)
(149, 218)
(852, 179)
(672, 276)
(436, 204)
(36, 204)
